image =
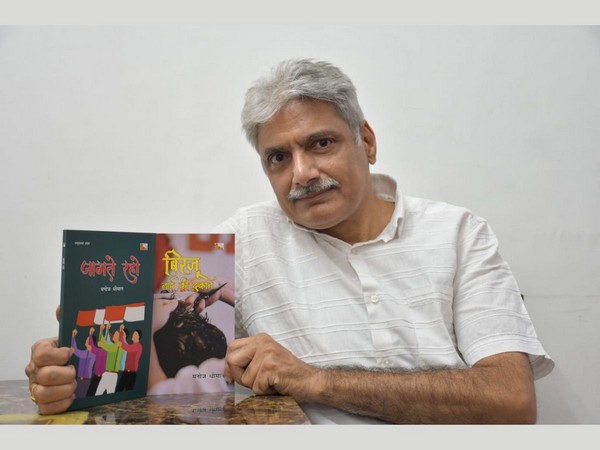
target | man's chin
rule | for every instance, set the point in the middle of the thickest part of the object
(314, 223)
(318, 216)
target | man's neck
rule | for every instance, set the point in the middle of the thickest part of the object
(367, 226)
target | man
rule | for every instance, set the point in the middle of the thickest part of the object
(357, 297)
(99, 365)
(115, 354)
(361, 303)
(132, 358)
(85, 365)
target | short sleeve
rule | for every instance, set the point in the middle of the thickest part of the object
(489, 313)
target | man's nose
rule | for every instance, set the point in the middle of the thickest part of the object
(305, 168)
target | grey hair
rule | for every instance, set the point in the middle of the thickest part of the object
(300, 78)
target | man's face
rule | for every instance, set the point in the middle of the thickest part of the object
(308, 150)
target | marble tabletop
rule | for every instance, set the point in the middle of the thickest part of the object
(208, 408)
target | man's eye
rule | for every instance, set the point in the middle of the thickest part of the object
(276, 158)
(323, 143)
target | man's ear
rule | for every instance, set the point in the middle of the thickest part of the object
(367, 136)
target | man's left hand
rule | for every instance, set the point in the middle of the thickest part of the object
(266, 367)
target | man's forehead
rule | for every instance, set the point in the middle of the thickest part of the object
(300, 119)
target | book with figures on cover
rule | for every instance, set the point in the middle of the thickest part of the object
(146, 313)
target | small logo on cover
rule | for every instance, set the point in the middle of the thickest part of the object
(219, 246)
(143, 246)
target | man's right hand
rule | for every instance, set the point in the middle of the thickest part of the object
(51, 382)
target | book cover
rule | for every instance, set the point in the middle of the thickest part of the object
(189, 342)
(139, 311)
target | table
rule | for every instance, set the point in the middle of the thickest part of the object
(208, 408)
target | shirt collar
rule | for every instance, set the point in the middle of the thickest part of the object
(386, 188)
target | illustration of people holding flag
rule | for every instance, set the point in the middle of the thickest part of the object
(111, 363)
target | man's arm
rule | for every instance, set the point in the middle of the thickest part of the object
(498, 389)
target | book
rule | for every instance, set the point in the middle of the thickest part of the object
(140, 312)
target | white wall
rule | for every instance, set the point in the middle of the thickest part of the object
(138, 129)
